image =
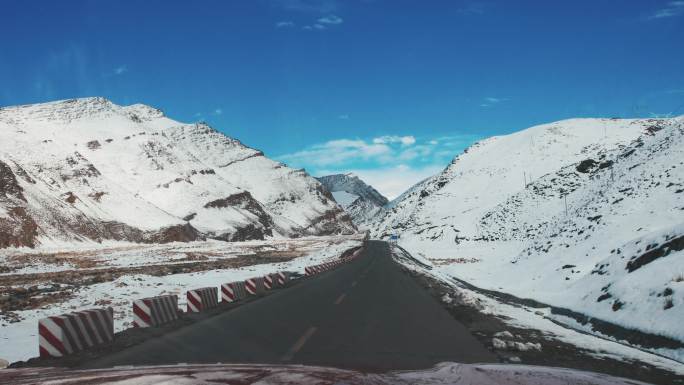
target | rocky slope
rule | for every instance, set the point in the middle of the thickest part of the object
(360, 200)
(90, 170)
(585, 214)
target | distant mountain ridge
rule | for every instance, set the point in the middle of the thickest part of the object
(87, 169)
(354, 185)
(359, 199)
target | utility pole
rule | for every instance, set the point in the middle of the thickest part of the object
(524, 179)
(565, 197)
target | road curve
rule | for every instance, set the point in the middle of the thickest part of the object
(365, 315)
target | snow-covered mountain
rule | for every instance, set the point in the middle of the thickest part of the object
(586, 214)
(360, 200)
(88, 169)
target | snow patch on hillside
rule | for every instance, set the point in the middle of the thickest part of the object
(344, 198)
(88, 170)
(585, 214)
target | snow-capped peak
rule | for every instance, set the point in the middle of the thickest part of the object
(359, 199)
(144, 111)
(68, 110)
(88, 169)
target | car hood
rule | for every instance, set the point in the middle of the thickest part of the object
(445, 373)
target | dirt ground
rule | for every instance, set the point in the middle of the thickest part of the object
(30, 291)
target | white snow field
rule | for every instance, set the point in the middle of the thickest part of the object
(524, 317)
(584, 214)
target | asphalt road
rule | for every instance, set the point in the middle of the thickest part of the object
(365, 315)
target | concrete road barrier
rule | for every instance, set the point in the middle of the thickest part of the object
(268, 282)
(282, 277)
(276, 282)
(234, 291)
(202, 299)
(69, 333)
(315, 269)
(255, 286)
(155, 311)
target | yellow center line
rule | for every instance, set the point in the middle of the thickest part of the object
(298, 345)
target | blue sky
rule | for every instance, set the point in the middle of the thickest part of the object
(389, 89)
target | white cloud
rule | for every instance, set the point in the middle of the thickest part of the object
(404, 140)
(408, 140)
(343, 117)
(316, 26)
(392, 163)
(380, 151)
(338, 151)
(490, 101)
(284, 24)
(324, 22)
(674, 8)
(218, 111)
(419, 151)
(120, 70)
(667, 12)
(473, 8)
(331, 19)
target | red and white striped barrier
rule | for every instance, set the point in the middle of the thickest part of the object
(282, 278)
(268, 282)
(154, 311)
(234, 291)
(315, 269)
(255, 286)
(202, 299)
(69, 333)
